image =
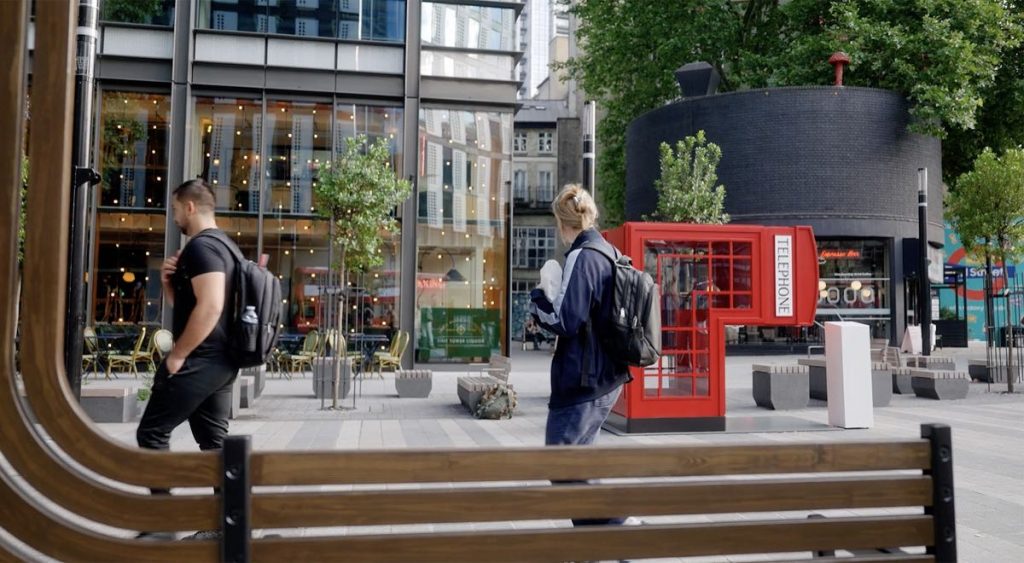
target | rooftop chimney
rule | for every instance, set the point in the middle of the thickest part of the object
(697, 79)
(838, 60)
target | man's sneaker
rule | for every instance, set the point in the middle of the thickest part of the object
(155, 536)
(205, 535)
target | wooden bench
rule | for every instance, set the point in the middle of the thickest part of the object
(413, 383)
(780, 387)
(472, 387)
(939, 385)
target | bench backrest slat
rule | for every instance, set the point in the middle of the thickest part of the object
(540, 502)
(603, 543)
(575, 463)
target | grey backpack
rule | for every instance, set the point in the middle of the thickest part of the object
(496, 403)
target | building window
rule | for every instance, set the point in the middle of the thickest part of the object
(158, 12)
(471, 27)
(545, 187)
(130, 214)
(519, 192)
(519, 142)
(544, 141)
(374, 20)
(462, 232)
(532, 246)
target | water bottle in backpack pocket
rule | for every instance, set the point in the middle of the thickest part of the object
(250, 328)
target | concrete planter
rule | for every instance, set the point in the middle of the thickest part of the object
(413, 384)
(323, 377)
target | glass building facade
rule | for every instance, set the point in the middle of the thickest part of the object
(257, 131)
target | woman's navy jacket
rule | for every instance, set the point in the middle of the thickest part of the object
(583, 302)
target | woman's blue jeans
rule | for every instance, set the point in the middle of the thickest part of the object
(579, 425)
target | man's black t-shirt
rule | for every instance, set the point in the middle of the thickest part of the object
(202, 255)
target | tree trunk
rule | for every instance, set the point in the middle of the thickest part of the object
(339, 355)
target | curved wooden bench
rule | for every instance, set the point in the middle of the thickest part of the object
(87, 474)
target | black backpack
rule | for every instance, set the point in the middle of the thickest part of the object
(633, 337)
(251, 343)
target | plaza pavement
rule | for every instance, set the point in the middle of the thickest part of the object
(988, 442)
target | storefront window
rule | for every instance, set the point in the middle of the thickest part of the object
(854, 283)
(299, 135)
(130, 218)
(462, 233)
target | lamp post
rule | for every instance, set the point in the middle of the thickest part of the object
(589, 119)
(924, 284)
(83, 177)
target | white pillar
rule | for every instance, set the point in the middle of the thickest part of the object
(848, 367)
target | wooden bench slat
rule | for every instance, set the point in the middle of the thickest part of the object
(541, 502)
(877, 558)
(605, 542)
(563, 463)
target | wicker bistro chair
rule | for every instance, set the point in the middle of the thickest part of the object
(393, 357)
(161, 344)
(304, 357)
(90, 359)
(129, 360)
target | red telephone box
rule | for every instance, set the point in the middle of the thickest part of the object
(710, 276)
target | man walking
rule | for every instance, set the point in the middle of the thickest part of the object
(193, 382)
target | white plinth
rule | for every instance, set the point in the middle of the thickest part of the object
(848, 373)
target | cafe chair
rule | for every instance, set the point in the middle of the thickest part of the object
(304, 357)
(90, 359)
(392, 358)
(159, 346)
(129, 360)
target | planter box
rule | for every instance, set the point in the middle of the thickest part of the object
(414, 384)
(323, 377)
(110, 404)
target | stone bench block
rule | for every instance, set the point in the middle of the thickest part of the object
(980, 370)
(881, 384)
(259, 375)
(901, 384)
(414, 383)
(472, 387)
(247, 391)
(817, 376)
(939, 385)
(110, 404)
(939, 363)
(780, 387)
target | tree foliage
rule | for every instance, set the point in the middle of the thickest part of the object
(131, 11)
(948, 57)
(987, 208)
(359, 192)
(687, 190)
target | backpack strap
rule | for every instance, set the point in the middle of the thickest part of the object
(219, 236)
(609, 251)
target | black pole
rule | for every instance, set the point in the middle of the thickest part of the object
(990, 318)
(924, 285)
(82, 179)
(236, 501)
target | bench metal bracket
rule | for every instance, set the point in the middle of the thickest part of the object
(236, 509)
(942, 509)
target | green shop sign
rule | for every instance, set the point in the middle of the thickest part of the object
(450, 333)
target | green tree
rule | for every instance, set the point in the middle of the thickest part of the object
(987, 209)
(687, 190)
(945, 56)
(21, 219)
(131, 11)
(358, 192)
